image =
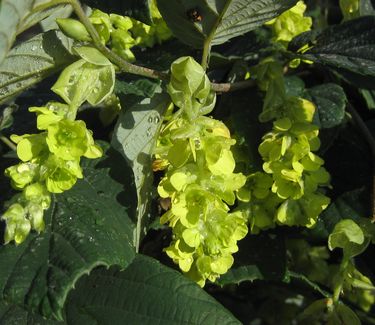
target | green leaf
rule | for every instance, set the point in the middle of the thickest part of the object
(220, 20)
(15, 315)
(348, 236)
(31, 61)
(91, 78)
(145, 293)
(85, 227)
(346, 315)
(330, 100)
(367, 7)
(6, 118)
(139, 87)
(348, 47)
(246, 127)
(349, 205)
(18, 15)
(260, 257)
(138, 9)
(135, 135)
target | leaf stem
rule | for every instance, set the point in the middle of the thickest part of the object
(208, 40)
(340, 283)
(9, 143)
(113, 57)
(371, 142)
(228, 87)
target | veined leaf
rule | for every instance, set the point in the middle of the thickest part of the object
(15, 315)
(330, 100)
(85, 227)
(138, 9)
(193, 22)
(348, 48)
(32, 61)
(145, 293)
(18, 15)
(135, 136)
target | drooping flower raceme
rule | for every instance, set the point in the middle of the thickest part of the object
(50, 160)
(293, 174)
(200, 179)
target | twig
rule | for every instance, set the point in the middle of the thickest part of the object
(228, 87)
(143, 71)
(371, 142)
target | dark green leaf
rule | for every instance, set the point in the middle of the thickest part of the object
(330, 100)
(145, 293)
(193, 22)
(14, 315)
(244, 124)
(294, 86)
(139, 87)
(260, 257)
(135, 135)
(85, 227)
(32, 61)
(138, 9)
(349, 47)
(18, 15)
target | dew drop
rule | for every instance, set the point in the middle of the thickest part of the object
(156, 119)
(150, 119)
(33, 48)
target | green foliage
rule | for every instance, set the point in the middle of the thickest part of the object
(126, 296)
(249, 174)
(84, 227)
(133, 138)
(18, 15)
(218, 21)
(32, 61)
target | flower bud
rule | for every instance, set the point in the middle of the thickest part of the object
(73, 29)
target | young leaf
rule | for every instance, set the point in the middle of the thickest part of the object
(145, 293)
(32, 61)
(135, 136)
(193, 23)
(86, 226)
(18, 15)
(330, 100)
(85, 80)
(348, 236)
